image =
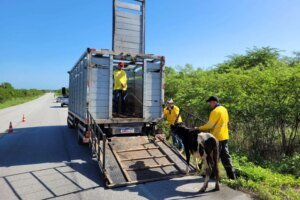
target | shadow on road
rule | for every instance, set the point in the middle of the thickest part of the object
(63, 166)
(169, 189)
(58, 106)
(47, 162)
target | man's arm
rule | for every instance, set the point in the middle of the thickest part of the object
(123, 79)
(213, 118)
(164, 116)
(176, 111)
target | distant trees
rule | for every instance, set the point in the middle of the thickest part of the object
(261, 91)
(8, 92)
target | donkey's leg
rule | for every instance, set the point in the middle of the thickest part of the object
(188, 156)
(207, 173)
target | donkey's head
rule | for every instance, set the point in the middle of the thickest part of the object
(181, 130)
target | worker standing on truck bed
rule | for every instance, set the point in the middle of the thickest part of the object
(171, 113)
(218, 126)
(120, 88)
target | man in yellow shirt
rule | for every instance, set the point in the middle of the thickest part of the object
(172, 115)
(218, 126)
(120, 88)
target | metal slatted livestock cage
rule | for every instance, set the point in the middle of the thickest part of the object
(91, 87)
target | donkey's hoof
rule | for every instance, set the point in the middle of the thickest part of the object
(202, 190)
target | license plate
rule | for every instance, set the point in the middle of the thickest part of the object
(127, 130)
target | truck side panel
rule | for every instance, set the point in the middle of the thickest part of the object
(77, 89)
(153, 91)
(99, 88)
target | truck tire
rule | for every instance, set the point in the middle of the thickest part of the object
(79, 138)
(62, 105)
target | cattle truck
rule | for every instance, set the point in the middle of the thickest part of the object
(124, 146)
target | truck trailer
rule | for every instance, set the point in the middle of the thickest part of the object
(91, 91)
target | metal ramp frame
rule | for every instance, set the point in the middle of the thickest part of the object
(134, 159)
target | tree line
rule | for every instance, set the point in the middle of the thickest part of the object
(261, 90)
(8, 92)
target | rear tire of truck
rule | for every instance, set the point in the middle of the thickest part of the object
(79, 138)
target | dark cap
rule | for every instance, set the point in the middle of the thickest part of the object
(212, 98)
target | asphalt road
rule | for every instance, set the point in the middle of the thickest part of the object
(42, 160)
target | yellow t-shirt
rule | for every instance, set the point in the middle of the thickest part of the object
(172, 114)
(120, 77)
(217, 123)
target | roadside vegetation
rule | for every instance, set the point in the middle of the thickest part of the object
(263, 183)
(261, 90)
(9, 96)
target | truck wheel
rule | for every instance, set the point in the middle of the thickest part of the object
(79, 138)
(62, 105)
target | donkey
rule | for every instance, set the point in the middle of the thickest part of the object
(200, 145)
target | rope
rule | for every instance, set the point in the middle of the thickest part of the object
(194, 116)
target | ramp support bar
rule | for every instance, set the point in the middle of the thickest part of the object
(143, 158)
(138, 149)
(150, 167)
(96, 135)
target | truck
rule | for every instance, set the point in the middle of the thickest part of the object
(64, 101)
(125, 146)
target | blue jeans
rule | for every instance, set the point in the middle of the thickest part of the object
(177, 142)
(117, 95)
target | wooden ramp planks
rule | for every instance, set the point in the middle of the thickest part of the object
(137, 159)
(113, 172)
(174, 155)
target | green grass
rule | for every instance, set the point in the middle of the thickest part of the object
(263, 183)
(57, 93)
(17, 101)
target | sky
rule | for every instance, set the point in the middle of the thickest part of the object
(40, 40)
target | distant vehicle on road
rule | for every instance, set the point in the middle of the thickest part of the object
(58, 99)
(64, 101)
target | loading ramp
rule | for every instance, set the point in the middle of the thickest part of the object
(134, 159)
